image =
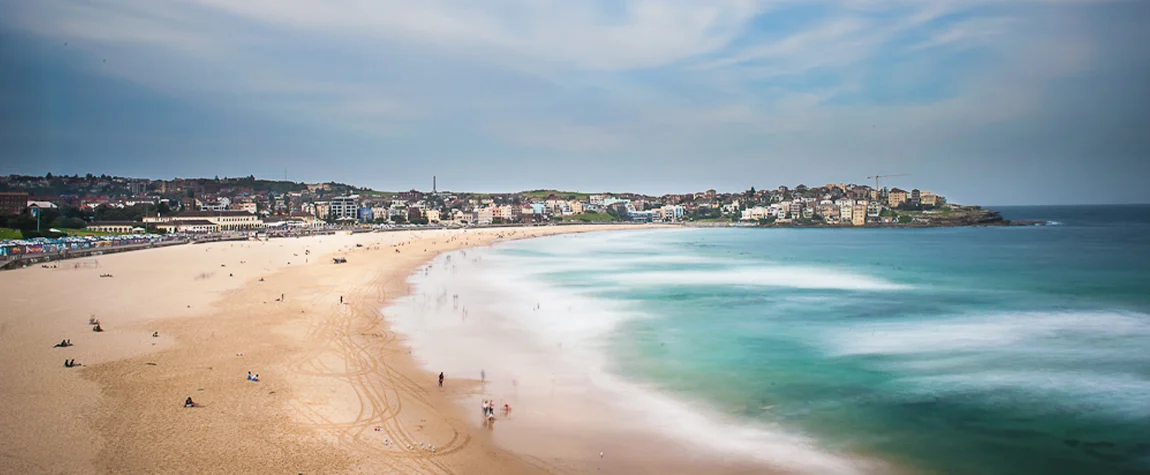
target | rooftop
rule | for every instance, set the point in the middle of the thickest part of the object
(206, 214)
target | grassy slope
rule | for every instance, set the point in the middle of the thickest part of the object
(543, 194)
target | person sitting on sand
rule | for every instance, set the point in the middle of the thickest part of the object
(506, 410)
(67, 364)
(97, 328)
(155, 334)
(256, 378)
(62, 344)
(249, 375)
(188, 402)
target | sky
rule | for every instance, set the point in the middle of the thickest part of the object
(982, 101)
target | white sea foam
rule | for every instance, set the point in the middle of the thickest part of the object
(783, 276)
(980, 332)
(1062, 360)
(520, 327)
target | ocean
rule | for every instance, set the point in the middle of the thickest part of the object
(994, 350)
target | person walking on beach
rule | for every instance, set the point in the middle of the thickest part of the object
(340, 299)
(483, 375)
(441, 379)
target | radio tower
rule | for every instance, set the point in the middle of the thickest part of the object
(433, 189)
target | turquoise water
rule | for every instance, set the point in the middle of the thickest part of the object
(954, 350)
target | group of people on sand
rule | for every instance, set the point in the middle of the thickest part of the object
(71, 363)
(95, 321)
(489, 409)
(63, 344)
(253, 378)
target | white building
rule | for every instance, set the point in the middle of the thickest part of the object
(673, 212)
(345, 207)
(846, 211)
(874, 209)
(484, 215)
(756, 213)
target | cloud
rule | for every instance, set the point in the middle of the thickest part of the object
(747, 84)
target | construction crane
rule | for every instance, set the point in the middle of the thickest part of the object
(876, 177)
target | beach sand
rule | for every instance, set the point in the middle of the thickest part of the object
(339, 392)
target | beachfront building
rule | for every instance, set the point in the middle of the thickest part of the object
(858, 213)
(641, 216)
(846, 212)
(187, 226)
(295, 219)
(874, 209)
(432, 215)
(672, 213)
(223, 220)
(484, 215)
(322, 209)
(116, 227)
(504, 213)
(755, 213)
(345, 207)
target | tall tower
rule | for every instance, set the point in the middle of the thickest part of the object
(434, 190)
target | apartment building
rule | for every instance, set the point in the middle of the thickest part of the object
(897, 197)
(858, 213)
(345, 208)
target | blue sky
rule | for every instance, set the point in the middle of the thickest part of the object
(984, 101)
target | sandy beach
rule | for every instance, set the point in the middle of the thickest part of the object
(339, 392)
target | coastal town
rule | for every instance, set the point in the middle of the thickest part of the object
(125, 205)
(51, 209)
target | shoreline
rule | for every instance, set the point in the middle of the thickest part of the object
(331, 374)
(560, 386)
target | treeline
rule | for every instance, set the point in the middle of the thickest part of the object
(69, 217)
